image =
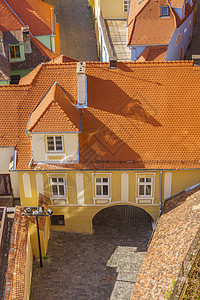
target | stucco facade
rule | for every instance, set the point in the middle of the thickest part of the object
(80, 204)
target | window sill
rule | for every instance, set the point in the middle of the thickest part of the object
(102, 200)
(145, 200)
(58, 201)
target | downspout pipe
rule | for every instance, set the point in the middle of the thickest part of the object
(160, 199)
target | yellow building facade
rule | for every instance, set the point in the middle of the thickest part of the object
(81, 202)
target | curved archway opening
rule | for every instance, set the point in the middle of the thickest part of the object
(122, 218)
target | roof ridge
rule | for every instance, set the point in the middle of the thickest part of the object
(35, 72)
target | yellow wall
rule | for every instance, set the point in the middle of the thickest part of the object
(184, 179)
(44, 237)
(79, 217)
(28, 269)
(112, 9)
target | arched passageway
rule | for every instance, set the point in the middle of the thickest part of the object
(103, 265)
(122, 218)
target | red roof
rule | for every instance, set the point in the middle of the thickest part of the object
(55, 104)
(146, 27)
(134, 117)
(8, 19)
(25, 14)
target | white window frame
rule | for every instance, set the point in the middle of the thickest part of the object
(58, 184)
(163, 14)
(126, 4)
(145, 199)
(145, 183)
(99, 200)
(54, 142)
(102, 184)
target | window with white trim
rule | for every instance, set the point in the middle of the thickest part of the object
(145, 186)
(55, 144)
(102, 187)
(164, 11)
(126, 5)
(58, 187)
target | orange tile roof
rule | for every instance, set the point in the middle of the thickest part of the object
(145, 27)
(62, 59)
(156, 53)
(8, 19)
(57, 104)
(45, 51)
(172, 248)
(29, 16)
(134, 117)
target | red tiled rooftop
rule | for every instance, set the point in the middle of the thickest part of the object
(8, 19)
(156, 53)
(56, 104)
(175, 233)
(134, 118)
(30, 17)
(16, 13)
(146, 27)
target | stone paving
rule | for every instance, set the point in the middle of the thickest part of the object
(77, 36)
(99, 266)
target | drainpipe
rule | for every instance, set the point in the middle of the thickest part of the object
(160, 200)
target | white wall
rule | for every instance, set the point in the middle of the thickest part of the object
(5, 157)
(70, 141)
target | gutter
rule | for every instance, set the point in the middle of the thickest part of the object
(15, 160)
(160, 199)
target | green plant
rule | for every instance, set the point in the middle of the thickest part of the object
(91, 3)
(46, 256)
(169, 292)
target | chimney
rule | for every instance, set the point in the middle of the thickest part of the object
(26, 39)
(113, 62)
(196, 60)
(81, 83)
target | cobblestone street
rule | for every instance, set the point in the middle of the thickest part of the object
(99, 266)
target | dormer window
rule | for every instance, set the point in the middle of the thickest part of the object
(14, 52)
(55, 144)
(164, 11)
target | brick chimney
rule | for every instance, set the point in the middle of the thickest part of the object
(26, 39)
(81, 83)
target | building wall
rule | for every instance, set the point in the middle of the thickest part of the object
(28, 269)
(40, 152)
(112, 9)
(80, 205)
(185, 31)
(22, 73)
(4, 82)
(5, 158)
(46, 40)
(44, 237)
(136, 51)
